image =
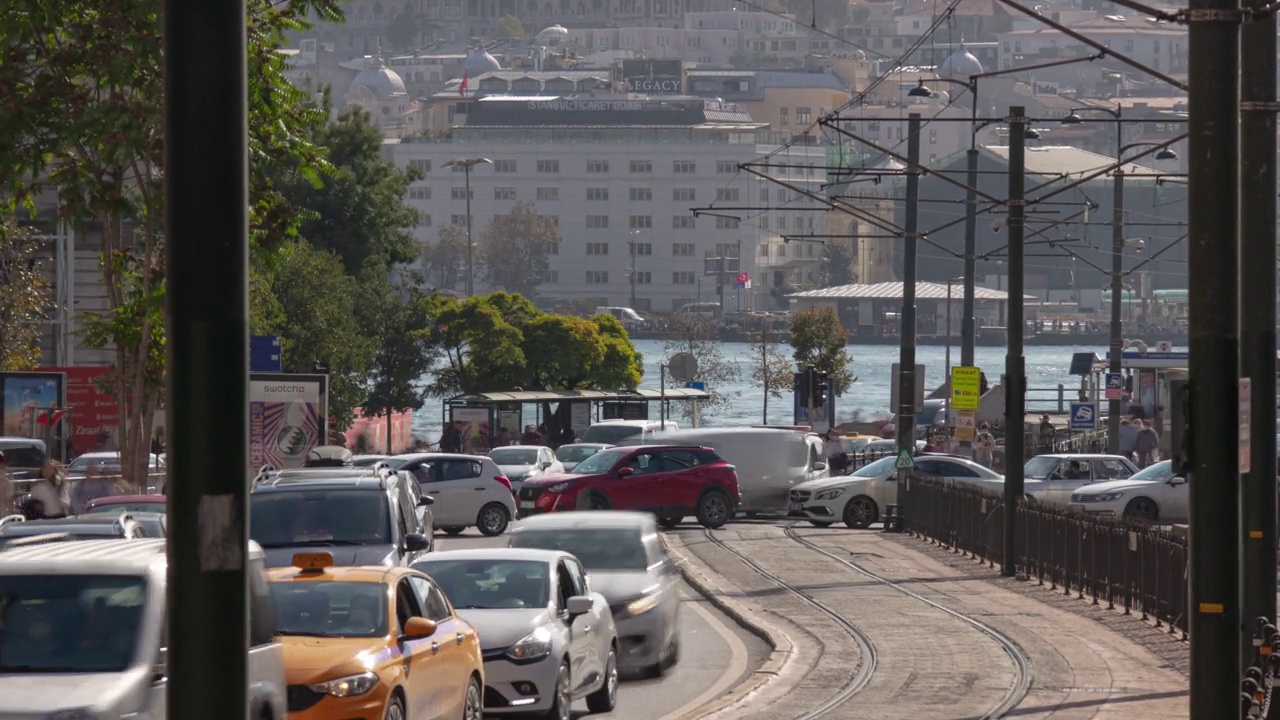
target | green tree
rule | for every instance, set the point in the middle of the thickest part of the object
(403, 31)
(401, 321)
(697, 335)
(837, 265)
(26, 297)
(515, 248)
(771, 370)
(443, 260)
(509, 26)
(818, 339)
(481, 349)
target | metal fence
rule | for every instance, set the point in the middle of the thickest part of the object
(1139, 568)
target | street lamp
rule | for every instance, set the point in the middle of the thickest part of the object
(466, 164)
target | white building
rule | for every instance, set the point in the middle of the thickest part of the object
(1159, 45)
(616, 170)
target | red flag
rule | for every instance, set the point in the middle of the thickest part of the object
(50, 417)
(462, 89)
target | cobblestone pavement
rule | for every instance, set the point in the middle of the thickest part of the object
(924, 662)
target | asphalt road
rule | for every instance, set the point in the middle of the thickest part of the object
(715, 655)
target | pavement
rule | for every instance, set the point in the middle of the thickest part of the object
(914, 658)
(716, 656)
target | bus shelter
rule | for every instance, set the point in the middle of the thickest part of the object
(482, 417)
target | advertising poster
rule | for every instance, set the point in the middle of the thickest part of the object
(25, 395)
(580, 418)
(288, 416)
(510, 419)
(95, 414)
(473, 423)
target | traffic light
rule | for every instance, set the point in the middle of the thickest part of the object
(819, 393)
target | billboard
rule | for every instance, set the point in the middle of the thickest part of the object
(653, 77)
(95, 413)
(288, 416)
(26, 394)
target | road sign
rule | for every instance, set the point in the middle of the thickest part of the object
(264, 354)
(682, 367)
(695, 385)
(905, 461)
(1115, 386)
(1084, 416)
(893, 389)
(966, 426)
(966, 387)
(1245, 409)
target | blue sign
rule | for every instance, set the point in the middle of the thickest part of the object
(695, 385)
(1084, 416)
(1133, 355)
(1115, 386)
(264, 354)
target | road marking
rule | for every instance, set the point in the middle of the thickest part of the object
(737, 659)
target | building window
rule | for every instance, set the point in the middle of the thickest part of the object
(460, 193)
(422, 166)
(782, 116)
(933, 136)
(419, 193)
(644, 278)
(548, 193)
(548, 166)
(552, 277)
(682, 249)
(597, 222)
(683, 194)
(684, 167)
(597, 277)
(682, 222)
(683, 277)
(597, 248)
(640, 222)
(554, 248)
(424, 220)
(641, 194)
(504, 193)
(597, 166)
(764, 222)
(642, 248)
(504, 166)
(782, 222)
(764, 194)
(459, 220)
(729, 194)
(641, 166)
(726, 223)
(804, 115)
(764, 250)
(726, 167)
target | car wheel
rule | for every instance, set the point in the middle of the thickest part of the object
(673, 653)
(395, 709)
(492, 520)
(452, 531)
(606, 698)
(860, 512)
(714, 509)
(473, 707)
(562, 700)
(670, 523)
(1142, 509)
(820, 523)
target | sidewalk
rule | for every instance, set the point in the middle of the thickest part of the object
(926, 664)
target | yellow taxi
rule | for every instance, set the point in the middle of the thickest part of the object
(373, 643)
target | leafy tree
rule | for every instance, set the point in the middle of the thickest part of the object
(402, 323)
(771, 370)
(837, 265)
(26, 297)
(403, 31)
(481, 348)
(818, 339)
(696, 335)
(515, 248)
(509, 26)
(443, 260)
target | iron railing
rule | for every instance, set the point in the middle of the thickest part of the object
(1262, 676)
(1139, 568)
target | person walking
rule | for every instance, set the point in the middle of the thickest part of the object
(1148, 445)
(1128, 438)
(984, 446)
(50, 496)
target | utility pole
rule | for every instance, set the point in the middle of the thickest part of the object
(907, 351)
(968, 323)
(1015, 381)
(207, 249)
(631, 245)
(1214, 299)
(1117, 290)
(1258, 311)
(764, 371)
(466, 164)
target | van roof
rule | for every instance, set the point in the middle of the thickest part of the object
(114, 555)
(635, 423)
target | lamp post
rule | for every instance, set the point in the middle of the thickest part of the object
(466, 164)
(631, 246)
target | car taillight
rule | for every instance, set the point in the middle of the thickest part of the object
(505, 481)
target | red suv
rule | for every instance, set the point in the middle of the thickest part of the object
(670, 481)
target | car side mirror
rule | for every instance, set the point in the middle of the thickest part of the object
(419, 627)
(819, 466)
(624, 471)
(416, 542)
(578, 605)
(1177, 480)
(426, 501)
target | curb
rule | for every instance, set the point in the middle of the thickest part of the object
(780, 645)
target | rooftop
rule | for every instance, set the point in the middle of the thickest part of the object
(893, 291)
(1065, 161)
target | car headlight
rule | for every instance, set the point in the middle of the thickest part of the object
(73, 714)
(349, 686)
(639, 606)
(532, 646)
(1108, 497)
(558, 487)
(829, 494)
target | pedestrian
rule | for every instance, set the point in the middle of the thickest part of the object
(531, 436)
(451, 440)
(6, 488)
(504, 437)
(984, 446)
(1148, 445)
(92, 487)
(50, 496)
(1047, 435)
(1128, 438)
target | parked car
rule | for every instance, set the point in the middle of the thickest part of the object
(470, 490)
(1060, 475)
(670, 481)
(1154, 494)
(625, 563)
(16, 530)
(367, 460)
(127, 503)
(615, 431)
(106, 463)
(574, 453)
(521, 462)
(546, 638)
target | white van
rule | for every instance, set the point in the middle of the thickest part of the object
(769, 461)
(615, 432)
(629, 318)
(110, 596)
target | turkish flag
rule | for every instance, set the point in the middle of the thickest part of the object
(50, 417)
(462, 89)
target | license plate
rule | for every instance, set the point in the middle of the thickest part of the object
(796, 506)
(527, 505)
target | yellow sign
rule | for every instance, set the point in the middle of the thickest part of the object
(966, 387)
(965, 430)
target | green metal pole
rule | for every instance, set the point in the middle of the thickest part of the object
(907, 379)
(1015, 381)
(1117, 294)
(206, 229)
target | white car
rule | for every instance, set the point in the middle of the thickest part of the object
(521, 462)
(469, 491)
(1060, 475)
(1153, 495)
(545, 637)
(572, 454)
(859, 499)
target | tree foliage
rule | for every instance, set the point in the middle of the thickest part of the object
(771, 370)
(443, 260)
(26, 303)
(515, 248)
(509, 26)
(837, 265)
(402, 324)
(696, 335)
(818, 339)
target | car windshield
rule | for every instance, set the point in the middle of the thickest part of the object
(486, 584)
(599, 549)
(610, 433)
(1162, 470)
(598, 463)
(575, 453)
(366, 462)
(1041, 466)
(880, 467)
(70, 623)
(320, 518)
(87, 461)
(330, 609)
(395, 463)
(23, 456)
(514, 456)
(121, 507)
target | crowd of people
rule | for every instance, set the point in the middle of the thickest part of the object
(51, 494)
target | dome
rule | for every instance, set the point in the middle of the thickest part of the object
(381, 80)
(553, 35)
(960, 66)
(479, 62)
